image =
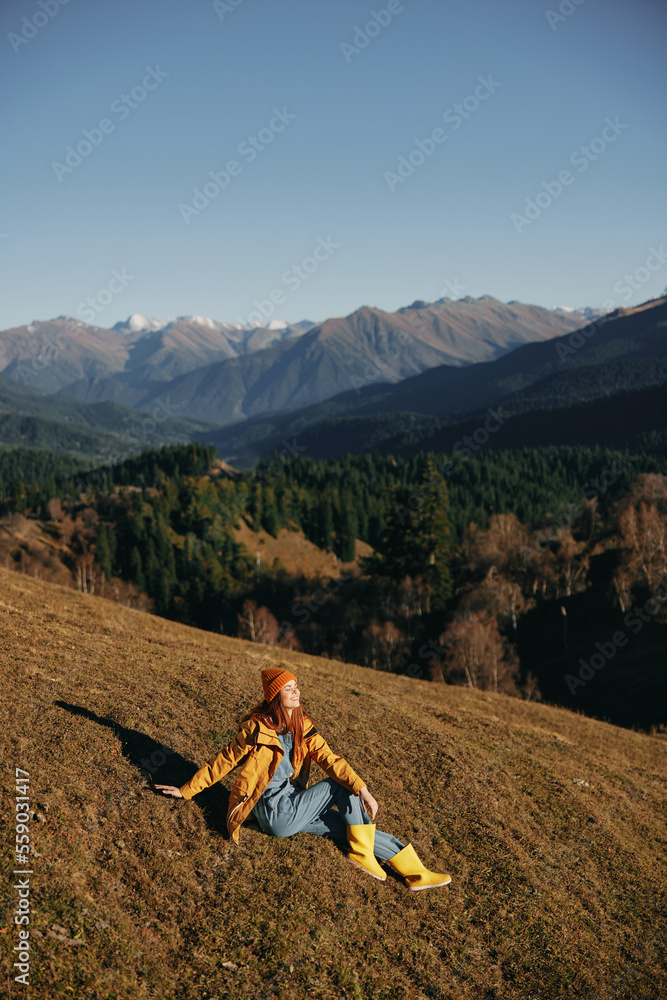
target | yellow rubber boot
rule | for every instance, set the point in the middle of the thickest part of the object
(416, 876)
(361, 839)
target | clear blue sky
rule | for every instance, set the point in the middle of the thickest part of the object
(446, 229)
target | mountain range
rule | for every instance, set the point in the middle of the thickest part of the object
(619, 364)
(225, 373)
(372, 379)
(54, 355)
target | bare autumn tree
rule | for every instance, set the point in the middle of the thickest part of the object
(495, 546)
(383, 646)
(570, 563)
(499, 596)
(258, 624)
(290, 641)
(621, 588)
(478, 654)
(67, 529)
(55, 509)
(85, 572)
(509, 548)
(642, 536)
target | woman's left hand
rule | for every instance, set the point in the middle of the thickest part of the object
(369, 803)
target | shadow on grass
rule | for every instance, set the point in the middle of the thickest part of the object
(157, 762)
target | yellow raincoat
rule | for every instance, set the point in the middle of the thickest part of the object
(259, 750)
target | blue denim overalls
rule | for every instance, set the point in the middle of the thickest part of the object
(285, 809)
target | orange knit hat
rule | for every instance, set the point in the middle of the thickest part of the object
(274, 679)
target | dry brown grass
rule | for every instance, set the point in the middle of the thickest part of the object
(558, 886)
(295, 552)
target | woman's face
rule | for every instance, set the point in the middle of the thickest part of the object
(290, 696)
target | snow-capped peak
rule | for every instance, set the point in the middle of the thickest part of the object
(200, 320)
(585, 312)
(136, 323)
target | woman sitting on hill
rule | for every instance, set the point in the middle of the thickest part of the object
(276, 743)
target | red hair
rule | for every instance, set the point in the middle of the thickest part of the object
(274, 716)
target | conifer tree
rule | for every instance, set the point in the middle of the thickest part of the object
(103, 551)
(417, 539)
(349, 529)
(136, 571)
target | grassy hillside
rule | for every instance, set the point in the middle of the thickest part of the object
(293, 550)
(550, 824)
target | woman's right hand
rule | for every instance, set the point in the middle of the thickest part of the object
(170, 790)
(369, 803)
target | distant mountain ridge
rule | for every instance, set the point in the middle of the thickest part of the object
(243, 337)
(51, 355)
(67, 355)
(339, 354)
(211, 373)
(625, 356)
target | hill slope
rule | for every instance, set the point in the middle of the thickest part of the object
(549, 822)
(626, 420)
(623, 352)
(33, 419)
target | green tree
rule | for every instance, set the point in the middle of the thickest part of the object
(417, 539)
(136, 569)
(349, 529)
(326, 524)
(103, 553)
(271, 520)
(17, 496)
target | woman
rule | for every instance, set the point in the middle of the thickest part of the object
(276, 744)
